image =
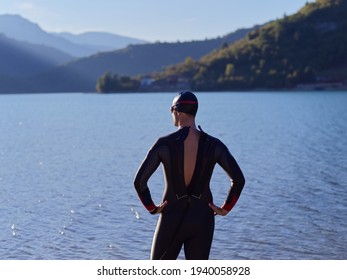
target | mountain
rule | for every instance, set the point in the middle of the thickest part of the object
(19, 28)
(82, 74)
(16, 27)
(309, 46)
(19, 60)
(100, 41)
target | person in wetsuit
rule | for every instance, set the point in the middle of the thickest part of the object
(188, 157)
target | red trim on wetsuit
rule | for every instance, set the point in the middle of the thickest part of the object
(150, 207)
(229, 206)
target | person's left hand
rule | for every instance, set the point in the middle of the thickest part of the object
(161, 207)
(217, 210)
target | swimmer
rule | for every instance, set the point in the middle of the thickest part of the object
(187, 213)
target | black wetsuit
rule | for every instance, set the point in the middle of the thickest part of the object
(186, 219)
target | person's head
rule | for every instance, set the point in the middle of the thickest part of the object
(184, 107)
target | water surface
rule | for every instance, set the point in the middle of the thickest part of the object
(67, 163)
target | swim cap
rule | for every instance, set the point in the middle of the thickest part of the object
(185, 102)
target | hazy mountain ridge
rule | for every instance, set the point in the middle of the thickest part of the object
(26, 50)
(80, 45)
(19, 60)
(18, 28)
(23, 58)
(100, 41)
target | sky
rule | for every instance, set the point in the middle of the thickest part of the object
(151, 20)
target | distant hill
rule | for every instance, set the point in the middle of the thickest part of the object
(307, 47)
(19, 28)
(100, 41)
(16, 27)
(82, 74)
(19, 60)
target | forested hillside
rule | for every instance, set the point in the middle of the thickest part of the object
(302, 48)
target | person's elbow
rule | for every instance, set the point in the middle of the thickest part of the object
(137, 183)
(241, 180)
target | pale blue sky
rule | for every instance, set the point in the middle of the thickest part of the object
(152, 20)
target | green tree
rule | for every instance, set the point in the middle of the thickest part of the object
(229, 70)
(105, 83)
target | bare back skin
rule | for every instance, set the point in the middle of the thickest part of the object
(191, 145)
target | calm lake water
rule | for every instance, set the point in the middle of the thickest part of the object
(67, 163)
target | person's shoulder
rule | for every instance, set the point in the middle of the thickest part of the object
(210, 137)
(168, 137)
(179, 134)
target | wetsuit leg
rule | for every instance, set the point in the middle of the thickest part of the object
(198, 248)
(166, 245)
(199, 228)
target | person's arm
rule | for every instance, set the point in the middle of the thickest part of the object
(230, 166)
(146, 169)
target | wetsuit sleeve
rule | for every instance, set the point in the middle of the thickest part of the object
(146, 169)
(230, 166)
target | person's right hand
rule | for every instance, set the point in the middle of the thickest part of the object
(218, 210)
